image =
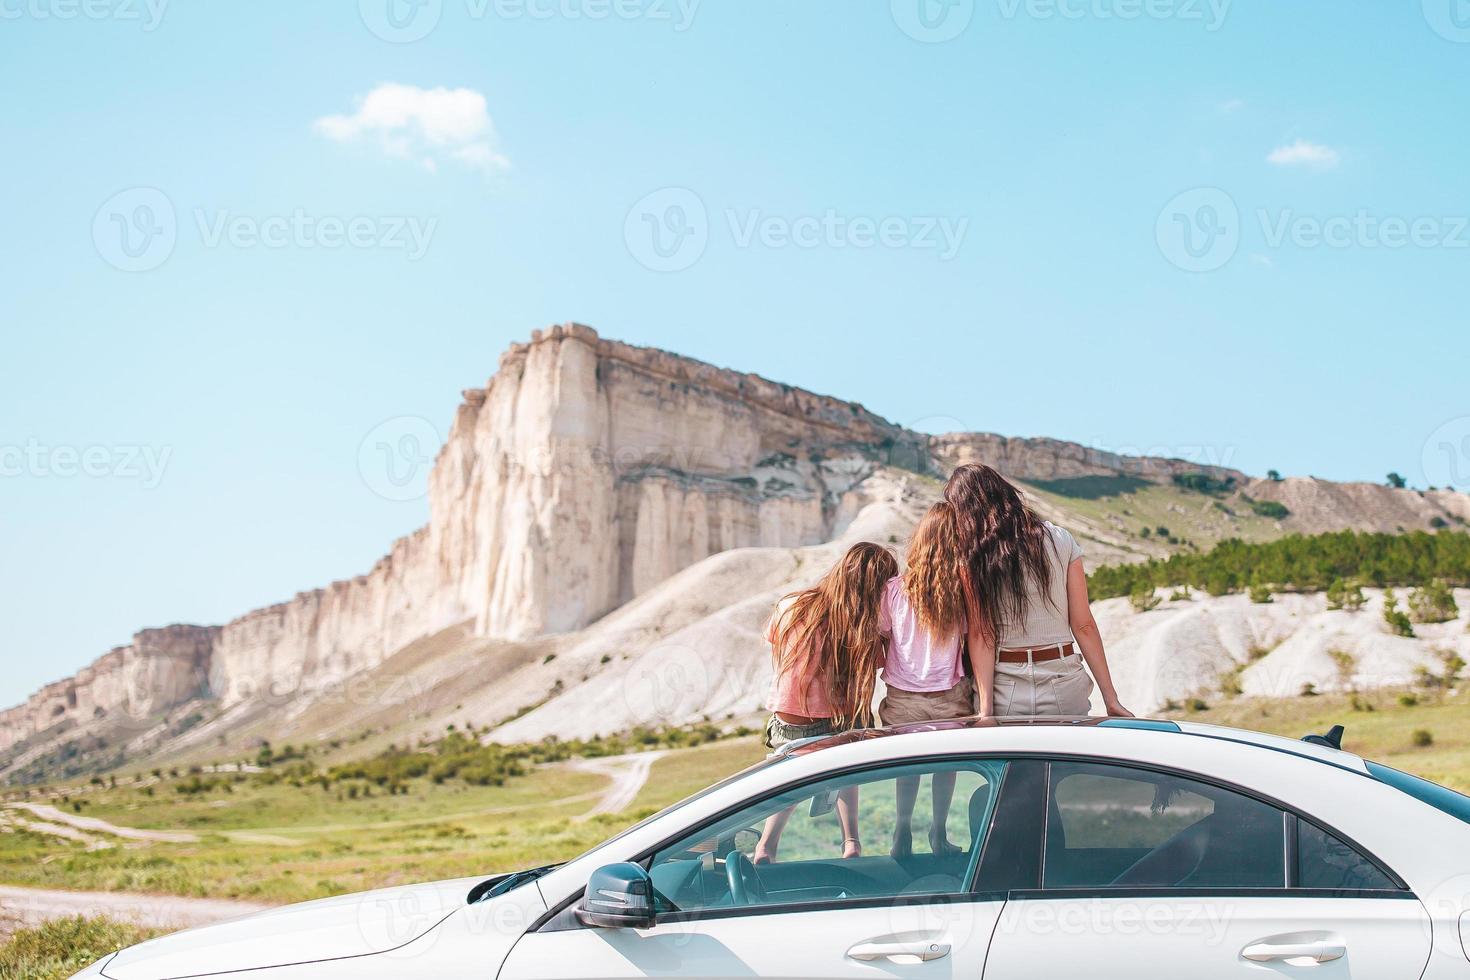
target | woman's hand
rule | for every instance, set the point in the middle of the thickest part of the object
(1115, 709)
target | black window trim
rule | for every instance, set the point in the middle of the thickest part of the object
(1018, 894)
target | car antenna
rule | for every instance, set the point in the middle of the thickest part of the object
(1333, 738)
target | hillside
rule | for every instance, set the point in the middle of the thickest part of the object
(608, 525)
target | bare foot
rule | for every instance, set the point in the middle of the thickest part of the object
(903, 843)
(852, 848)
(940, 846)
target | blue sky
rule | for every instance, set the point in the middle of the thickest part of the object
(977, 220)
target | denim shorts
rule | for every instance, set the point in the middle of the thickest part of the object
(779, 732)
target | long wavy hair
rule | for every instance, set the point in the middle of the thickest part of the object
(1005, 543)
(935, 575)
(831, 631)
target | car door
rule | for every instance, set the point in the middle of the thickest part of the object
(810, 911)
(1153, 875)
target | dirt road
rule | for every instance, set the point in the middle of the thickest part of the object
(30, 906)
(628, 774)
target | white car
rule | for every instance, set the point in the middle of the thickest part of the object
(1081, 847)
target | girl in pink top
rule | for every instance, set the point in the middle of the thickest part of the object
(922, 617)
(827, 651)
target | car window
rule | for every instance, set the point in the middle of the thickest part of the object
(1325, 861)
(836, 840)
(1118, 827)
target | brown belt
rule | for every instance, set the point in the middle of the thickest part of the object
(1035, 655)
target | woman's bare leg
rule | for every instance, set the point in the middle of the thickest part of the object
(847, 819)
(765, 848)
(906, 789)
(943, 787)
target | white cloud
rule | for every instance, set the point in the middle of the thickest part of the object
(429, 126)
(1230, 106)
(1304, 154)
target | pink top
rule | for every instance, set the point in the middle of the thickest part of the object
(790, 694)
(917, 659)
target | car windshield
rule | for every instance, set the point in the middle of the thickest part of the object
(1437, 796)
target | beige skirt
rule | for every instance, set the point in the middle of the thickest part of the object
(1052, 687)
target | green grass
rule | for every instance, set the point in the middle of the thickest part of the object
(1129, 506)
(1384, 734)
(342, 845)
(62, 947)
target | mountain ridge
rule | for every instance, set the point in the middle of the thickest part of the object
(585, 473)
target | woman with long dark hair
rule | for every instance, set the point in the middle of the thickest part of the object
(1028, 612)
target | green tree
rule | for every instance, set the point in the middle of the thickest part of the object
(1433, 602)
(1345, 594)
(1274, 476)
(1396, 619)
(1396, 481)
(1143, 598)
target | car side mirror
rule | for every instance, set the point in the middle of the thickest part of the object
(618, 896)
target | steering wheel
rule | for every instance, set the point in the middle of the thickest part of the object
(746, 887)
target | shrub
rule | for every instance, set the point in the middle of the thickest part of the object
(1433, 603)
(1408, 700)
(1143, 598)
(1346, 595)
(1396, 619)
(1423, 738)
(1260, 594)
(1309, 690)
(1196, 704)
(1274, 476)
(1181, 594)
(1395, 481)
(1270, 508)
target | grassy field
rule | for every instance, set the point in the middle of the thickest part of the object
(1380, 727)
(280, 843)
(62, 947)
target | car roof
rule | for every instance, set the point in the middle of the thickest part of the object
(1165, 728)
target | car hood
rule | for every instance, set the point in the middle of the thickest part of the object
(332, 928)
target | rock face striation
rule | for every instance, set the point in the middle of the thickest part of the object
(582, 476)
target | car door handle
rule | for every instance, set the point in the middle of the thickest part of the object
(1320, 952)
(918, 951)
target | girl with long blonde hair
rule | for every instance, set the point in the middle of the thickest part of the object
(923, 616)
(827, 649)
